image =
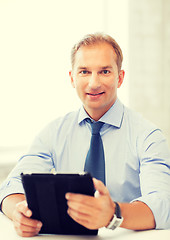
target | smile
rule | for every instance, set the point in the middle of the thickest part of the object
(95, 94)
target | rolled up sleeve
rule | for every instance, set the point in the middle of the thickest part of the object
(155, 177)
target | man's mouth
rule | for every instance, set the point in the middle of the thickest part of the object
(95, 94)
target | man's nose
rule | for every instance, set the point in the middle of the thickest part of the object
(94, 81)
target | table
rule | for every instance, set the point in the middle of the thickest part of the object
(7, 232)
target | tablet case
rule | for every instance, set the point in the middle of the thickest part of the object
(45, 194)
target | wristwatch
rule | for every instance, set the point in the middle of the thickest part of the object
(117, 218)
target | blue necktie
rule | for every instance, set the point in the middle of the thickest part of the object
(95, 162)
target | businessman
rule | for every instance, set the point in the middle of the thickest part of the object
(132, 157)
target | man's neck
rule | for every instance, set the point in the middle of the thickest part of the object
(95, 114)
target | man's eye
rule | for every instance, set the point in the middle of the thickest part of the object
(84, 72)
(105, 72)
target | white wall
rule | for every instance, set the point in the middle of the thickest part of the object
(36, 37)
(149, 60)
(35, 43)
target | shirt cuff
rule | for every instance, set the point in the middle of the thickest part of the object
(8, 189)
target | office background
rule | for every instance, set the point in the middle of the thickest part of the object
(36, 37)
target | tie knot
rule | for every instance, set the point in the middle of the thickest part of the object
(96, 126)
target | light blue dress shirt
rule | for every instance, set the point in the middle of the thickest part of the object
(137, 157)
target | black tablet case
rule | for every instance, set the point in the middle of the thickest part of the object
(45, 194)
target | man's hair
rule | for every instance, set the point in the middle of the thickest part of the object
(92, 39)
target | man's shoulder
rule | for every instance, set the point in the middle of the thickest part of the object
(137, 120)
(58, 128)
(67, 119)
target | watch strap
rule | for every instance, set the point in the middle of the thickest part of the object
(117, 210)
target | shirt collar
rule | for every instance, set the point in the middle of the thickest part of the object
(113, 116)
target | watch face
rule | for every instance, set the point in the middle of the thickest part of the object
(116, 222)
(117, 218)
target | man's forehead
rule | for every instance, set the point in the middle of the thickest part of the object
(98, 45)
(99, 56)
(101, 50)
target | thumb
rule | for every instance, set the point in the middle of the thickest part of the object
(22, 207)
(100, 187)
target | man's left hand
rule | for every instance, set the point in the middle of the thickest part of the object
(91, 212)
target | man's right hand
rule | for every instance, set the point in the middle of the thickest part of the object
(24, 225)
(15, 207)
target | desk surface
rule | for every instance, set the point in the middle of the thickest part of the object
(7, 232)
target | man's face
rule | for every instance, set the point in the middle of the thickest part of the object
(96, 79)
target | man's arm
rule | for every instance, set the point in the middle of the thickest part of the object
(9, 203)
(97, 212)
(15, 207)
(137, 216)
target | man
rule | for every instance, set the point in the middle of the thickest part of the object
(137, 157)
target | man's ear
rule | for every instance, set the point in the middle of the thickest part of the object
(121, 78)
(72, 80)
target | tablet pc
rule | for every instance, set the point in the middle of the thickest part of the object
(45, 195)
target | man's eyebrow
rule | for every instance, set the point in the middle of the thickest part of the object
(80, 68)
(102, 67)
(106, 67)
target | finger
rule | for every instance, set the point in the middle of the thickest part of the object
(81, 198)
(27, 228)
(77, 217)
(82, 208)
(21, 219)
(83, 219)
(26, 234)
(100, 187)
(23, 208)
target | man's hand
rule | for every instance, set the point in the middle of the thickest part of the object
(91, 212)
(15, 207)
(24, 225)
